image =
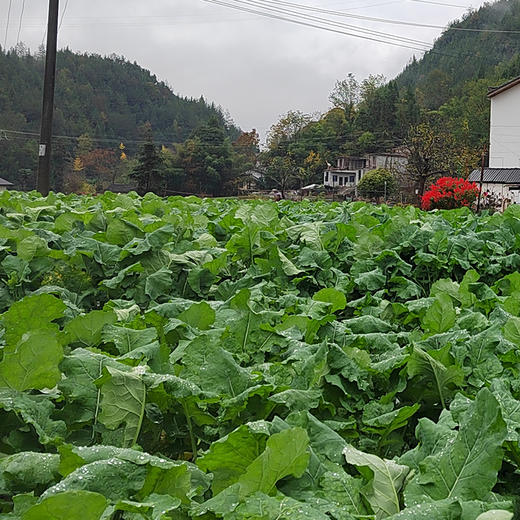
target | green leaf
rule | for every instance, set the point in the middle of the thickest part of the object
(385, 480)
(285, 454)
(441, 316)
(32, 313)
(438, 371)
(123, 402)
(199, 315)
(127, 340)
(467, 468)
(33, 363)
(87, 329)
(439, 510)
(159, 283)
(34, 410)
(28, 471)
(336, 298)
(229, 457)
(496, 514)
(68, 505)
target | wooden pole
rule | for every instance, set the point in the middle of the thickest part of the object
(44, 152)
(484, 150)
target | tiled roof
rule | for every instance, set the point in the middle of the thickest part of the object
(3, 182)
(493, 91)
(497, 175)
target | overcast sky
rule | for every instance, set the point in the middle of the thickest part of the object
(256, 68)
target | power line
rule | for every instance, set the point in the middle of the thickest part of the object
(267, 5)
(7, 26)
(63, 14)
(386, 20)
(441, 3)
(308, 24)
(20, 24)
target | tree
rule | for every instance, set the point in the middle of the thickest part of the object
(431, 153)
(346, 95)
(207, 159)
(378, 183)
(148, 171)
(279, 173)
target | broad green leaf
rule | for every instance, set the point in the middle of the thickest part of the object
(123, 402)
(33, 363)
(126, 340)
(336, 298)
(260, 506)
(285, 454)
(437, 372)
(28, 471)
(439, 510)
(512, 330)
(36, 411)
(31, 313)
(87, 329)
(114, 478)
(68, 505)
(199, 315)
(496, 514)
(441, 316)
(385, 479)
(229, 457)
(467, 468)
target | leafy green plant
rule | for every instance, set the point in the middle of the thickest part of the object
(231, 359)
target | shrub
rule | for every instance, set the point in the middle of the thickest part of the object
(450, 193)
(373, 183)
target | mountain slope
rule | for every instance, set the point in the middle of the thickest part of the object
(459, 56)
(106, 97)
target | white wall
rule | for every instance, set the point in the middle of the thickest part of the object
(505, 129)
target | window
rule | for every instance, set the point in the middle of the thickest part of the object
(341, 181)
(352, 178)
(326, 176)
(334, 179)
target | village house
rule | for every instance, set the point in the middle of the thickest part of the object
(502, 178)
(5, 185)
(350, 170)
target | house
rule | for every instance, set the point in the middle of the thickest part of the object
(502, 177)
(350, 170)
(251, 180)
(5, 185)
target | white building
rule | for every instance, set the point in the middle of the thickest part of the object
(502, 178)
(504, 136)
(350, 170)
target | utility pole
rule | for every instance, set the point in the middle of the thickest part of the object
(484, 150)
(44, 152)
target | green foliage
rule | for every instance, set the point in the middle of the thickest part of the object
(187, 358)
(377, 183)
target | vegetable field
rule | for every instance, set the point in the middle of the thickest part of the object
(179, 358)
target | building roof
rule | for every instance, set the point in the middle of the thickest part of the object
(3, 182)
(497, 175)
(494, 91)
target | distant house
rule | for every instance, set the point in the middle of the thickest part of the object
(251, 180)
(502, 178)
(5, 185)
(350, 170)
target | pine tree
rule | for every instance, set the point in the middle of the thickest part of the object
(149, 170)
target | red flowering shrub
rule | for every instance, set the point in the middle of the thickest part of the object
(450, 193)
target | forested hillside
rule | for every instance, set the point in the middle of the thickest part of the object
(106, 98)
(471, 49)
(436, 108)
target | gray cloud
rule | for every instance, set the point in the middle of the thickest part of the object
(254, 67)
